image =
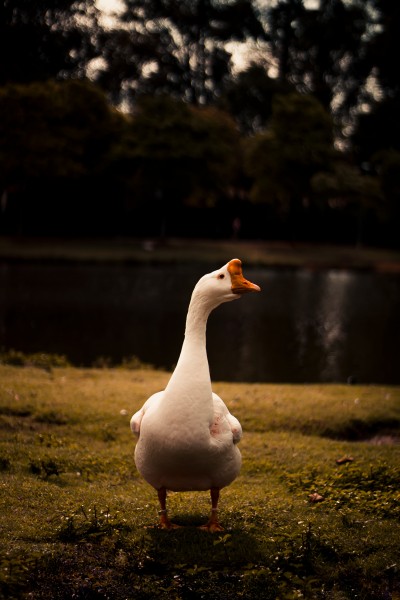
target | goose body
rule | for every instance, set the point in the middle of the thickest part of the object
(187, 438)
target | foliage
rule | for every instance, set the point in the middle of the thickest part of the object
(377, 130)
(176, 48)
(298, 144)
(52, 130)
(134, 363)
(41, 360)
(334, 51)
(345, 186)
(55, 144)
(387, 163)
(384, 45)
(320, 50)
(249, 98)
(46, 39)
(89, 530)
(72, 165)
(86, 524)
(180, 155)
(376, 144)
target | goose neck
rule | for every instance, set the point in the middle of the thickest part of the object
(196, 320)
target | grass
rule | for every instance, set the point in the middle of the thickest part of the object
(78, 521)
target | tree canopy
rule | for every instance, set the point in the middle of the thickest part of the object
(308, 123)
(46, 39)
(52, 130)
(298, 144)
(176, 48)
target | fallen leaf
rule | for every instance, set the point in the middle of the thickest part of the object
(344, 459)
(316, 497)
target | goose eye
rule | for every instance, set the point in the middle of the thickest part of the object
(221, 276)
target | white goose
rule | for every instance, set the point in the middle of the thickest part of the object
(187, 436)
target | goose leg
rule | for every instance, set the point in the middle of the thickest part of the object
(165, 523)
(213, 524)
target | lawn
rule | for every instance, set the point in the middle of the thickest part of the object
(78, 521)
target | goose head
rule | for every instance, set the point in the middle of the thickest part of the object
(224, 284)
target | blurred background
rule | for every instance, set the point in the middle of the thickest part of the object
(250, 121)
(271, 119)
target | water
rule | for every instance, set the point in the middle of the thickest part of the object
(305, 326)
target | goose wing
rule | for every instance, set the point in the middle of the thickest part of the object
(136, 420)
(224, 421)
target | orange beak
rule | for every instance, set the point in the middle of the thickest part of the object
(240, 285)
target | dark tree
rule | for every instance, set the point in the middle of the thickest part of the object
(321, 50)
(179, 156)
(176, 47)
(378, 129)
(46, 39)
(376, 136)
(56, 141)
(283, 160)
(384, 46)
(283, 22)
(249, 97)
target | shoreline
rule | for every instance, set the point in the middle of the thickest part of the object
(178, 251)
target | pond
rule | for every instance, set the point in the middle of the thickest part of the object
(306, 326)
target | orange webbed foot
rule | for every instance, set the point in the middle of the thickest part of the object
(212, 527)
(165, 523)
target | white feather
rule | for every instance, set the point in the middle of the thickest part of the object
(187, 438)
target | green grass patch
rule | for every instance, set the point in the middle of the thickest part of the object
(78, 521)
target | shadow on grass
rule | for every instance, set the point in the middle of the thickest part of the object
(189, 546)
(154, 563)
(192, 563)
